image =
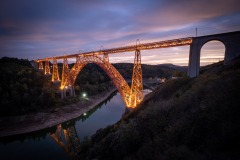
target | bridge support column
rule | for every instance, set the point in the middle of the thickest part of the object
(40, 65)
(194, 59)
(55, 75)
(137, 85)
(232, 49)
(47, 67)
(65, 71)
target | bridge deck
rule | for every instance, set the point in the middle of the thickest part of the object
(144, 46)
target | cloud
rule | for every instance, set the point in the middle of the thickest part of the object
(33, 28)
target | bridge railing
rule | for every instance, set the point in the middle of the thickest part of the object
(131, 48)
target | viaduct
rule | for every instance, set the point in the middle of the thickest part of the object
(231, 41)
(133, 95)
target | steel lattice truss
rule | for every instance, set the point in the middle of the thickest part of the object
(55, 76)
(40, 65)
(47, 67)
(137, 84)
(131, 96)
(65, 70)
(115, 76)
(132, 48)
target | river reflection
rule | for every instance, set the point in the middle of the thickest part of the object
(55, 142)
(69, 134)
(68, 140)
(99, 117)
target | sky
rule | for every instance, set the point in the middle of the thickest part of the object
(33, 29)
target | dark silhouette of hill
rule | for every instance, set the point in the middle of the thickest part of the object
(182, 119)
(161, 70)
(21, 88)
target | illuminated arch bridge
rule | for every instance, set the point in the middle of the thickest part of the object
(133, 95)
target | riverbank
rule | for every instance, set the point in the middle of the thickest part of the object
(48, 118)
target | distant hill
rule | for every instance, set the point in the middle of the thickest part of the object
(15, 61)
(183, 118)
(169, 65)
(161, 70)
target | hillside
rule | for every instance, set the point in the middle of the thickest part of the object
(21, 88)
(161, 70)
(182, 119)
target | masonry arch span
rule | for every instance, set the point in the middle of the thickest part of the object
(212, 51)
(114, 75)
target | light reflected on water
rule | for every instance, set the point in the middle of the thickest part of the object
(47, 144)
(63, 141)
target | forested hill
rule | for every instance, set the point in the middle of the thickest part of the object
(21, 88)
(160, 71)
(182, 119)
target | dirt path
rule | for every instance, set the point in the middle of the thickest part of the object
(45, 119)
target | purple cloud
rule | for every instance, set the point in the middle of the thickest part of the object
(35, 29)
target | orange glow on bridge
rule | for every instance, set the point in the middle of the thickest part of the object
(132, 48)
(133, 95)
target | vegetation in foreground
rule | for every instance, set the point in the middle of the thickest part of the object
(182, 119)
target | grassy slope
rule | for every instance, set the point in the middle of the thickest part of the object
(183, 119)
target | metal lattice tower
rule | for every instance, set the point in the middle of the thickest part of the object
(114, 75)
(40, 65)
(55, 75)
(65, 70)
(137, 85)
(131, 96)
(47, 67)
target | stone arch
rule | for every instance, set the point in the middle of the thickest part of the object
(232, 49)
(114, 75)
(204, 60)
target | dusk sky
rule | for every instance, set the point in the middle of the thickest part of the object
(32, 29)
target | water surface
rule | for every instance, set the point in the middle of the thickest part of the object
(61, 142)
(42, 145)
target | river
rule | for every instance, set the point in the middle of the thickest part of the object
(62, 141)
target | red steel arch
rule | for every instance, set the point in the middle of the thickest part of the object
(115, 76)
